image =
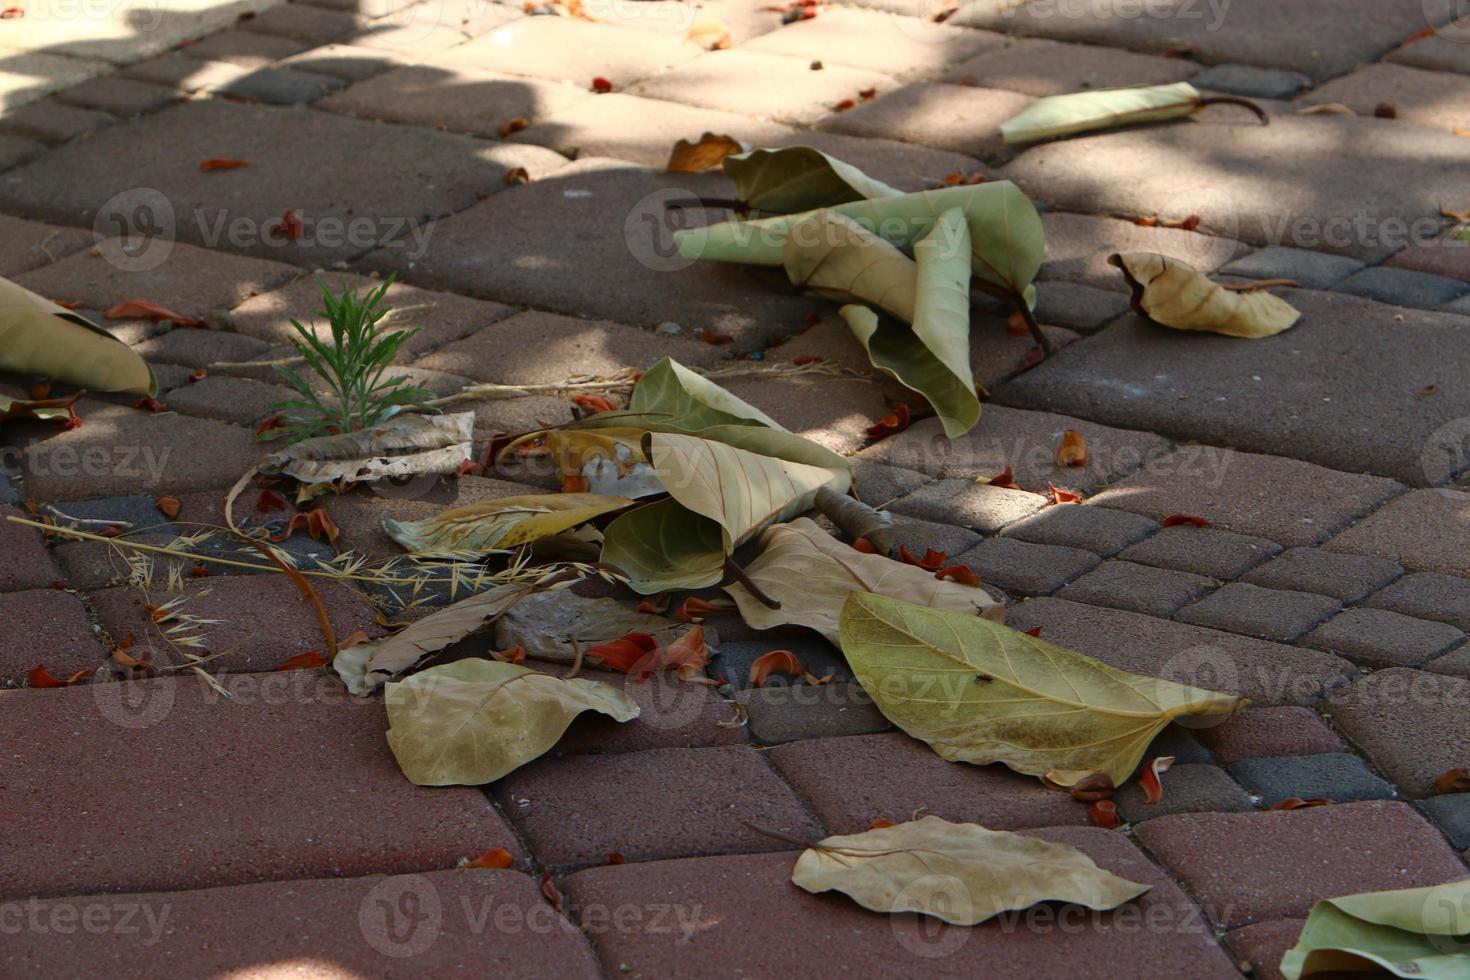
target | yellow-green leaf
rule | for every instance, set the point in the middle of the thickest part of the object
(1173, 295)
(961, 873)
(980, 692)
(799, 178)
(43, 340)
(663, 546)
(500, 525)
(811, 574)
(690, 400)
(835, 257)
(1422, 933)
(472, 721)
(1079, 112)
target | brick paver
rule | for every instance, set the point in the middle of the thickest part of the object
(1331, 586)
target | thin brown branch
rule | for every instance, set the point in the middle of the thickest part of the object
(733, 569)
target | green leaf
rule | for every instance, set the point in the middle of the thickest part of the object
(980, 692)
(499, 525)
(1063, 115)
(1413, 932)
(690, 401)
(664, 546)
(799, 178)
(473, 721)
(42, 340)
(933, 356)
(1006, 243)
(837, 258)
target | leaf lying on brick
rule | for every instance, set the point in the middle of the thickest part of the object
(1413, 932)
(40, 339)
(1172, 294)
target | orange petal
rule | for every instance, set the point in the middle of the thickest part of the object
(1060, 496)
(775, 662)
(515, 125)
(495, 858)
(689, 650)
(309, 660)
(615, 857)
(515, 655)
(632, 651)
(1005, 478)
(879, 823)
(1454, 781)
(592, 404)
(958, 573)
(1104, 814)
(1151, 777)
(222, 163)
(865, 546)
(167, 506)
(1073, 450)
(41, 677)
(1297, 803)
(142, 309)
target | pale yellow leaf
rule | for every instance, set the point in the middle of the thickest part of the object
(1422, 933)
(502, 524)
(1078, 112)
(835, 257)
(39, 339)
(1172, 294)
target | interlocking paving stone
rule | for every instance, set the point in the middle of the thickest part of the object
(1456, 662)
(195, 282)
(400, 178)
(1085, 308)
(179, 71)
(1204, 551)
(195, 348)
(1266, 673)
(119, 450)
(1285, 500)
(1362, 415)
(46, 627)
(1313, 270)
(1187, 789)
(1319, 38)
(1182, 744)
(1264, 943)
(240, 400)
(1350, 578)
(15, 151)
(470, 923)
(1329, 775)
(279, 86)
(904, 47)
(243, 47)
(1404, 287)
(1043, 68)
(951, 117)
(919, 536)
(1078, 246)
(119, 96)
(311, 25)
(1413, 725)
(977, 506)
(1250, 867)
(460, 100)
(1451, 813)
(850, 782)
(1426, 98)
(651, 805)
(1379, 638)
(1444, 598)
(27, 565)
(835, 412)
(791, 712)
(296, 739)
(1271, 614)
(1100, 530)
(640, 131)
(1250, 81)
(1265, 732)
(550, 244)
(347, 61)
(743, 909)
(1446, 256)
(1025, 567)
(1025, 441)
(539, 45)
(31, 75)
(878, 484)
(1423, 531)
(768, 85)
(1138, 588)
(258, 622)
(53, 122)
(26, 245)
(1364, 206)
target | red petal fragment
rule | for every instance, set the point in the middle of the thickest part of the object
(274, 422)
(844, 105)
(290, 226)
(316, 523)
(167, 506)
(633, 651)
(931, 562)
(268, 500)
(517, 175)
(880, 822)
(470, 468)
(775, 662)
(200, 571)
(10, 13)
(865, 546)
(1060, 496)
(552, 893)
(142, 309)
(958, 573)
(515, 655)
(1016, 324)
(1005, 478)
(895, 421)
(575, 484)
(867, 93)
(1104, 814)
(198, 374)
(110, 531)
(693, 609)
(1073, 450)
(592, 404)
(801, 360)
(656, 606)
(1033, 631)
(515, 125)
(615, 857)
(222, 163)
(1454, 781)
(149, 404)
(41, 677)
(496, 858)
(715, 337)
(1297, 803)
(1174, 520)
(601, 85)
(688, 651)
(1151, 777)
(310, 660)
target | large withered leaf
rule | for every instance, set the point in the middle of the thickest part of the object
(1079, 112)
(811, 574)
(961, 873)
(472, 721)
(799, 178)
(1172, 294)
(980, 692)
(1412, 932)
(835, 257)
(43, 340)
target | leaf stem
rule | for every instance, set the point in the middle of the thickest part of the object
(1042, 340)
(732, 567)
(1243, 103)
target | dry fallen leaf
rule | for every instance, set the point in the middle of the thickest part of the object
(711, 150)
(317, 523)
(501, 524)
(473, 721)
(1172, 294)
(960, 873)
(405, 445)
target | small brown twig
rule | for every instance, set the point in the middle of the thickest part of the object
(733, 569)
(1259, 284)
(1243, 103)
(711, 203)
(1042, 340)
(329, 636)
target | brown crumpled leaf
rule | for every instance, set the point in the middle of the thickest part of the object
(1172, 294)
(709, 151)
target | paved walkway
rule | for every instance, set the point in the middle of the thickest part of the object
(157, 826)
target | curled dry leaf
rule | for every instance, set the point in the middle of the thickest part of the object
(405, 445)
(800, 178)
(1173, 295)
(59, 410)
(1414, 932)
(710, 150)
(142, 309)
(1093, 787)
(1073, 449)
(317, 523)
(811, 574)
(865, 525)
(496, 859)
(960, 873)
(774, 662)
(980, 692)
(473, 721)
(502, 524)
(40, 339)
(1080, 112)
